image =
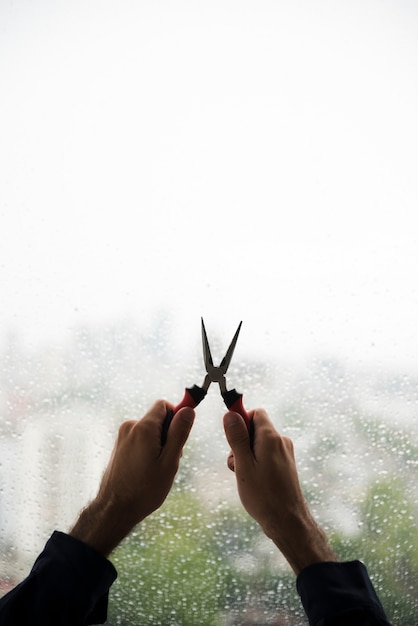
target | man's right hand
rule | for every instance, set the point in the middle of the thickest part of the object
(270, 491)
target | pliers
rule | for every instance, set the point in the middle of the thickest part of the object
(194, 395)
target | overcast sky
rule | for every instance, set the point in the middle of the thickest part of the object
(236, 160)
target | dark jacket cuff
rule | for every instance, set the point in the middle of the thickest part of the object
(328, 590)
(68, 585)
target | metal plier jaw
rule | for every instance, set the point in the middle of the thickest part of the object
(214, 374)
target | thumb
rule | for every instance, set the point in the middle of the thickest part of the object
(236, 432)
(180, 428)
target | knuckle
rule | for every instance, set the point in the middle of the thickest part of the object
(144, 427)
(288, 443)
(159, 407)
(125, 428)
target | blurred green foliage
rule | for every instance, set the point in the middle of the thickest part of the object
(187, 565)
(387, 544)
(167, 572)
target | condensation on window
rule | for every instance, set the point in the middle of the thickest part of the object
(200, 559)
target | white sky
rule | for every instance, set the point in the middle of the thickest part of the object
(237, 160)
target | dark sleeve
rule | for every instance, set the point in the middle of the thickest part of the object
(68, 585)
(340, 594)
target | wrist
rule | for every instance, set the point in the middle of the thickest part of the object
(305, 545)
(102, 526)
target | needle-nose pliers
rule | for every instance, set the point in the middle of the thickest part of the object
(194, 395)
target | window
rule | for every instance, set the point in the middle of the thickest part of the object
(237, 161)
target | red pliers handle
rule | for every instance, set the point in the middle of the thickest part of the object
(233, 401)
(192, 397)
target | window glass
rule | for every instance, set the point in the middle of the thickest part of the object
(236, 161)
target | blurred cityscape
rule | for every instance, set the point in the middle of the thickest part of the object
(356, 440)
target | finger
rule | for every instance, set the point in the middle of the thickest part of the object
(125, 428)
(262, 420)
(231, 461)
(238, 437)
(157, 413)
(263, 428)
(179, 431)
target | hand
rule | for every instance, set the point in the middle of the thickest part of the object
(137, 479)
(269, 488)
